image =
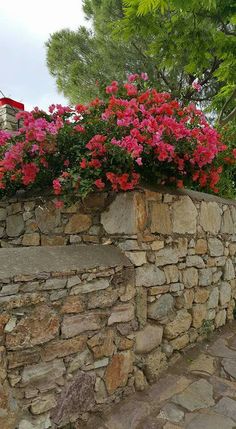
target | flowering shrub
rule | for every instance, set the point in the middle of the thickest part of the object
(134, 134)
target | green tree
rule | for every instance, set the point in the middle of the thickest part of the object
(191, 39)
(84, 61)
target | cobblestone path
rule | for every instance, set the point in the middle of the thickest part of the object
(197, 392)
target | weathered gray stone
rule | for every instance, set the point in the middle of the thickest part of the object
(47, 217)
(184, 216)
(225, 293)
(162, 308)
(227, 223)
(229, 272)
(220, 318)
(3, 214)
(137, 258)
(149, 275)
(190, 277)
(216, 247)
(149, 338)
(74, 325)
(15, 225)
(102, 300)
(210, 217)
(98, 284)
(41, 422)
(198, 395)
(171, 413)
(172, 274)
(160, 218)
(76, 397)
(43, 373)
(167, 256)
(51, 284)
(213, 298)
(180, 324)
(210, 421)
(43, 404)
(120, 218)
(229, 366)
(195, 261)
(227, 407)
(205, 277)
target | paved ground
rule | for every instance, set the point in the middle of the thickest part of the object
(198, 392)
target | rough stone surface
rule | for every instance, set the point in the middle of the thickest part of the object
(15, 225)
(47, 217)
(76, 324)
(210, 217)
(118, 371)
(216, 247)
(148, 339)
(212, 421)
(161, 220)
(121, 313)
(162, 308)
(120, 217)
(78, 223)
(180, 324)
(76, 397)
(198, 395)
(39, 327)
(184, 216)
(149, 275)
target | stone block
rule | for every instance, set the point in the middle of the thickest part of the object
(77, 324)
(161, 309)
(149, 275)
(78, 223)
(199, 313)
(121, 313)
(180, 324)
(118, 370)
(210, 217)
(148, 338)
(160, 218)
(167, 256)
(225, 293)
(216, 247)
(43, 374)
(37, 327)
(190, 277)
(48, 217)
(184, 216)
(15, 225)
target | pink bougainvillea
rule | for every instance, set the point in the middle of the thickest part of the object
(135, 133)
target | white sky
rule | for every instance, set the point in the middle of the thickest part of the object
(25, 26)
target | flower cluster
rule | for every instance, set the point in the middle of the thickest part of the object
(135, 133)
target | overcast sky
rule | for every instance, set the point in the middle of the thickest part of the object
(25, 26)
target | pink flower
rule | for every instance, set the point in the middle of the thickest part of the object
(113, 88)
(99, 184)
(144, 76)
(139, 161)
(29, 172)
(196, 85)
(56, 186)
(133, 77)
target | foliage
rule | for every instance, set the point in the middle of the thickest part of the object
(85, 61)
(135, 133)
(175, 41)
(190, 39)
(227, 183)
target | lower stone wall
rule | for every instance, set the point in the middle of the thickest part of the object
(77, 338)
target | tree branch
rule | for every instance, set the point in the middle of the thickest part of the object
(220, 119)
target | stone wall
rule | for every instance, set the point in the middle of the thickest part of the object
(111, 316)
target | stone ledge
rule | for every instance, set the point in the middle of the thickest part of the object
(28, 260)
(194, 195)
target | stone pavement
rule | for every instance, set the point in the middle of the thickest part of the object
(197, 392)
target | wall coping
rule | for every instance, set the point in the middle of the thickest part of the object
(32, 261)
(194, 195)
